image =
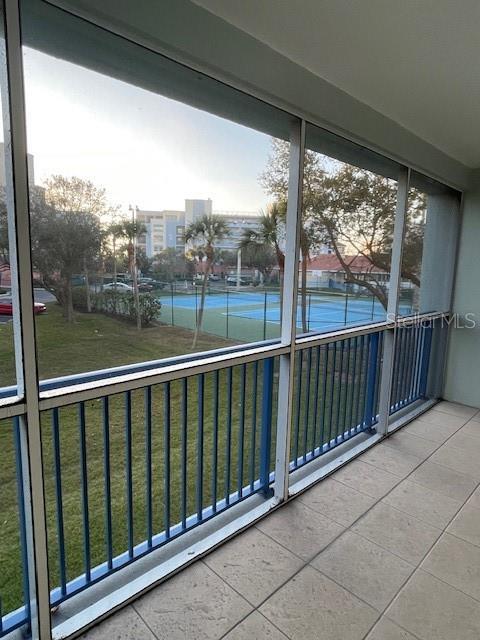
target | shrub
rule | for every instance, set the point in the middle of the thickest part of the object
(120, 304)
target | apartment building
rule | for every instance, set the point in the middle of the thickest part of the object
(165, 229)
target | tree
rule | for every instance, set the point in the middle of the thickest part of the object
(344, 206)
(270, 233)
(75, 195)
(62, 242)
(131, 230)
(203, 234)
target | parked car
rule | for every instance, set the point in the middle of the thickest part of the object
(6, 306)
(214, 277)
(145, 286)
(244, 281)
(121, 287)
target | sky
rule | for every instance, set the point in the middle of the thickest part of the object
(146, 150)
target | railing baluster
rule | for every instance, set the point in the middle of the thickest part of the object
(307, 405)
(416, 383)
(201, 398)
(401, 365)
(148, 464)
(353, 385)
(241, 431)
(254, 426)
(84, 489)
(326, 356)
(332, 392)
(166, 446)
(184, 451)
(128, 470)
(411, 385)
(361, 373)
(339, 391)
(59, 500)
(347, 388)
(371, 385)
(425, 359)
(107, 480)
(315, 401)
(228, 440)
(266, 433)
(216, 376)
(298, 407)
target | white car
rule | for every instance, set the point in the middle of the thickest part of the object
(121, 287)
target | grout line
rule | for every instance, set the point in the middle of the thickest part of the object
(143, 620)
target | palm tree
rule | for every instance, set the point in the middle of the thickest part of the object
(269, 233)
(204, 233)
(131, 231)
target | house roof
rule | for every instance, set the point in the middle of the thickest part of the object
(330, 262)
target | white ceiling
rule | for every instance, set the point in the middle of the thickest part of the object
(415, 61)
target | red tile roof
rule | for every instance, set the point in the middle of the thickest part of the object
(330, 262)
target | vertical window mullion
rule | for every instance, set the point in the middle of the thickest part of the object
(289, 308)
(393, 298)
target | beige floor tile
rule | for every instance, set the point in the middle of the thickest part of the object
(385, 629)
(456, 409)
(253, 564)
(456, 562)
(411, 444)
(337, 501)
(424, 504)
(459, 459)
(195, 603)
(397, 532)
(390, 460)
(466, 524)
(434, 431)
(446, 419)
(443, 480)
(474, 499)
(472, 428)
(463, 440)
(126, 624)
(255, 627)
(300, 529)
(370, 572)
(366, 478)
(312, 606)
(433, 610)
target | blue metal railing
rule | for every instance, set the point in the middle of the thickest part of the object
(127, 473)
(336, 394)
(411, 364)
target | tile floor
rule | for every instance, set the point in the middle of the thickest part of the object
(387, 548)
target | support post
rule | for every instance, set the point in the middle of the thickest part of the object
(30, 442)
(393, 295)
(289, 309)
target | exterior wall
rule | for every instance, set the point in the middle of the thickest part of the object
(463, 361)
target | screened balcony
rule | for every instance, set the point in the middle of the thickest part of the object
(233, 397)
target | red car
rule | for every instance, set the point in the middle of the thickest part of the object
(6, 307)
